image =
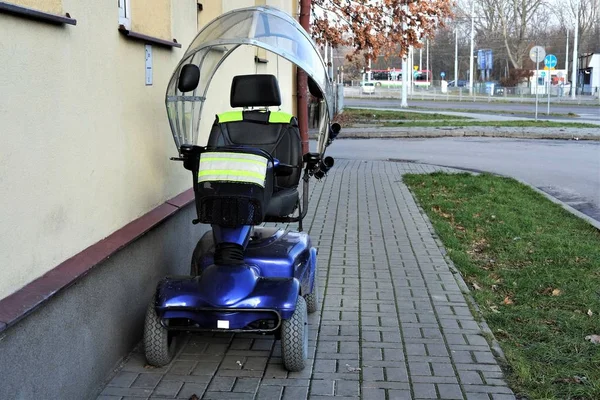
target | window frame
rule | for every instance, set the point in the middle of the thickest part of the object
(125, 13)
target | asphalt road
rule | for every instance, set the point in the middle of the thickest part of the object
(585, 112)
(568, 170)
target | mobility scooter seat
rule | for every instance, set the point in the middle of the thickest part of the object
(275, 132)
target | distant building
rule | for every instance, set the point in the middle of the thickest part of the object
(555, 81)
(588, 78)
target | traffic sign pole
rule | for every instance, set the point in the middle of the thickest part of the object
(537, 54)
(537, 72)
(550, 61)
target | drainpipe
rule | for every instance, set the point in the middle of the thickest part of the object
(302, 83)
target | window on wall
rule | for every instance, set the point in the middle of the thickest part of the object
(147, 20)
(125, 13)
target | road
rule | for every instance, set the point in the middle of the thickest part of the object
(591, 113)
(569, 170)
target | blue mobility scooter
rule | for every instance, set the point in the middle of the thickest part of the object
(245, 277)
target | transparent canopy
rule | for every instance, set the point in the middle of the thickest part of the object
(265, 27)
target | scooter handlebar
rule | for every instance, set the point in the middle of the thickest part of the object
(323, 167)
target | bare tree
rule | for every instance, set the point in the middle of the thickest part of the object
(588, 21)
(519, 21)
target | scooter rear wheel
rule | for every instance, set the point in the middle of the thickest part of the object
(294, 338)
(159, 343)
(312, 298)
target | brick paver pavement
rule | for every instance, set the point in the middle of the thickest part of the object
(393, 322)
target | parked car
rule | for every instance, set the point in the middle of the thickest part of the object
(368, 88)
(461, 83)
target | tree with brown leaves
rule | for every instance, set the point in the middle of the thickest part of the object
(377, 27)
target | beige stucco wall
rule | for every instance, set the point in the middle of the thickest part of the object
(50, 6)
(85, 143)
(152, 17)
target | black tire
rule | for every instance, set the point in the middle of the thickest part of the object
(294, 338)
(312, 298)
(205, 245)
(159, 343)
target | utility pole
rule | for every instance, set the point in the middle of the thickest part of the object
(404, 102)
(331, 60)
(567, 57)
(472, 47)
(575, 60)
(427, 55)
(420, 58)
(456, 58)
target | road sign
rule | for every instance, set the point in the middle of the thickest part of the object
(550, 61)
(442, 74)
(416, 67)
(537, 54)
(543, 74)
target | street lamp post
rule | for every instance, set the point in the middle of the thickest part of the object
(472, 48)
(574, 72)
(456, 58)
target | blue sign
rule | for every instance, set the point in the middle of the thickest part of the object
(485, 59)
(550, 61)
(489, 59)
(442, 74)
(543, 73)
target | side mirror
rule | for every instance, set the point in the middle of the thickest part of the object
(188, 78)
(334, 130)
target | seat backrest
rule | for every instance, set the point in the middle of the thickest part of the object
(275, 132)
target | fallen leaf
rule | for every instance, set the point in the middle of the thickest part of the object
(494, 287)
(238, 362)
(494, 309)
(590, 313)
(573, 379)
(194, 397)
(508, 301)
(516, 238)
(595, 339)
(556, 292)
(352, 369)
(476, 286)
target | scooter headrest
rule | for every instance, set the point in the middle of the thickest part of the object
(254, 91)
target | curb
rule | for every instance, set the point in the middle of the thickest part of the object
(450, 133)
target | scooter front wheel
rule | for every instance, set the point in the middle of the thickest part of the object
(294, 338)
(159, 343)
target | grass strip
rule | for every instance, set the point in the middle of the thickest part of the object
(491, 111)
(534, 270)
(497, 124)
(351, 115)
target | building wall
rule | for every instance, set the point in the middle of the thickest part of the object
(49, 6)
(85, 142)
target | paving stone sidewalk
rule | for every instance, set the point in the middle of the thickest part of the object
(393, 322)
